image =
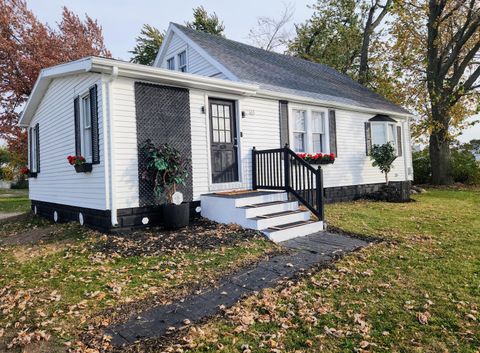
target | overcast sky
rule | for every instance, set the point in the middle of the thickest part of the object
(122, 19)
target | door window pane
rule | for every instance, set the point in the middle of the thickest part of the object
(221, 124)
(220, 111)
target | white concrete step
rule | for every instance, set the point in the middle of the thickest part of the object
(293, 230)
(262, 197)
(260, 209)
(279, 218)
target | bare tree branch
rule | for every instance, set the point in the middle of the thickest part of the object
(271, 33)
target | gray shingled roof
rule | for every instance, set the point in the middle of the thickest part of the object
(288, 74)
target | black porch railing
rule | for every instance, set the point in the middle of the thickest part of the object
(282, 169)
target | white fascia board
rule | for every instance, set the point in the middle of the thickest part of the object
(43, 81)
(174, 78)
(326, 103)
(203, 53)
(164, 46)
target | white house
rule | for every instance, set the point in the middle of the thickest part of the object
(215, 100)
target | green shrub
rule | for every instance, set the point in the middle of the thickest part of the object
(464, 167)
(422, 170)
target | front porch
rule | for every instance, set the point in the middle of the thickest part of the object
(281, 181)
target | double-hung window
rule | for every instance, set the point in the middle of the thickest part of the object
(182, 61)
(317, 131)
(308, 128)
(87, 136)
(300, 130)
(171, 63)
(86, 122)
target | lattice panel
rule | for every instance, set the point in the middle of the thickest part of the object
(163, 116)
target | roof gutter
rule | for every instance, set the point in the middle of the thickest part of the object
(153, 74)
(264, 93)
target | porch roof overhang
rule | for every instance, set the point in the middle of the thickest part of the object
(174, 78)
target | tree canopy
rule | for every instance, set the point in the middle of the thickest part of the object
(29, 46)
(205, 22)
(148, 44)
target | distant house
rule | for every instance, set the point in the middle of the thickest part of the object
(215, 100)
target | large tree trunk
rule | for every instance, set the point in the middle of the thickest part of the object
(440, 150)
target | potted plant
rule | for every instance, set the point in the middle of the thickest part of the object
(80, 164)
(167, 169)
(317, 158)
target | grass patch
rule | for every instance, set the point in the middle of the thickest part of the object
(417, 292)
(14, 201)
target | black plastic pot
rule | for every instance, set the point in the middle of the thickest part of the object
(176, 216)
(83, 168)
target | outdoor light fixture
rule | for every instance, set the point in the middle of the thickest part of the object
(244, 115)
(203, 109)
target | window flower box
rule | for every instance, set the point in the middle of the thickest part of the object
(80, 164)
(26, 171)
(317, 158)
(83, 168)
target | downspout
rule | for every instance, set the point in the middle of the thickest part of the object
(111, 149)
(406, 146)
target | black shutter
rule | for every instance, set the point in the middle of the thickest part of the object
(399, 141)
(78, 139)
(30, 149)
(283, 115)
(368, 138)
(37, 147)
(94, 124)
(332, 130)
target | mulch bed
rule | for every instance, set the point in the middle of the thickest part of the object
(201, 234)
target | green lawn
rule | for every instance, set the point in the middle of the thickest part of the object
(418, 291)
(14, 201)
(71, 282)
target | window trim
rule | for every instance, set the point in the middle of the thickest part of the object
(308, 126)
(185, 65)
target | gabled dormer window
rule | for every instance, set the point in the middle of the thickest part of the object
(171, 63)
(182, 61)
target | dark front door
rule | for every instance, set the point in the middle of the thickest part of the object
(223, 140)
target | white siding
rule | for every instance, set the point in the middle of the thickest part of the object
(352, 166)
(57, 181)
(261, 129)
(196, 64)
(125, 143)
(200, 145)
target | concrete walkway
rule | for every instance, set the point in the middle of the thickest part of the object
(308, 251)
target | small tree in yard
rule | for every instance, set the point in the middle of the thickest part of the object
(383, 157)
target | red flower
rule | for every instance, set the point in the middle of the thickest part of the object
(24, 170)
